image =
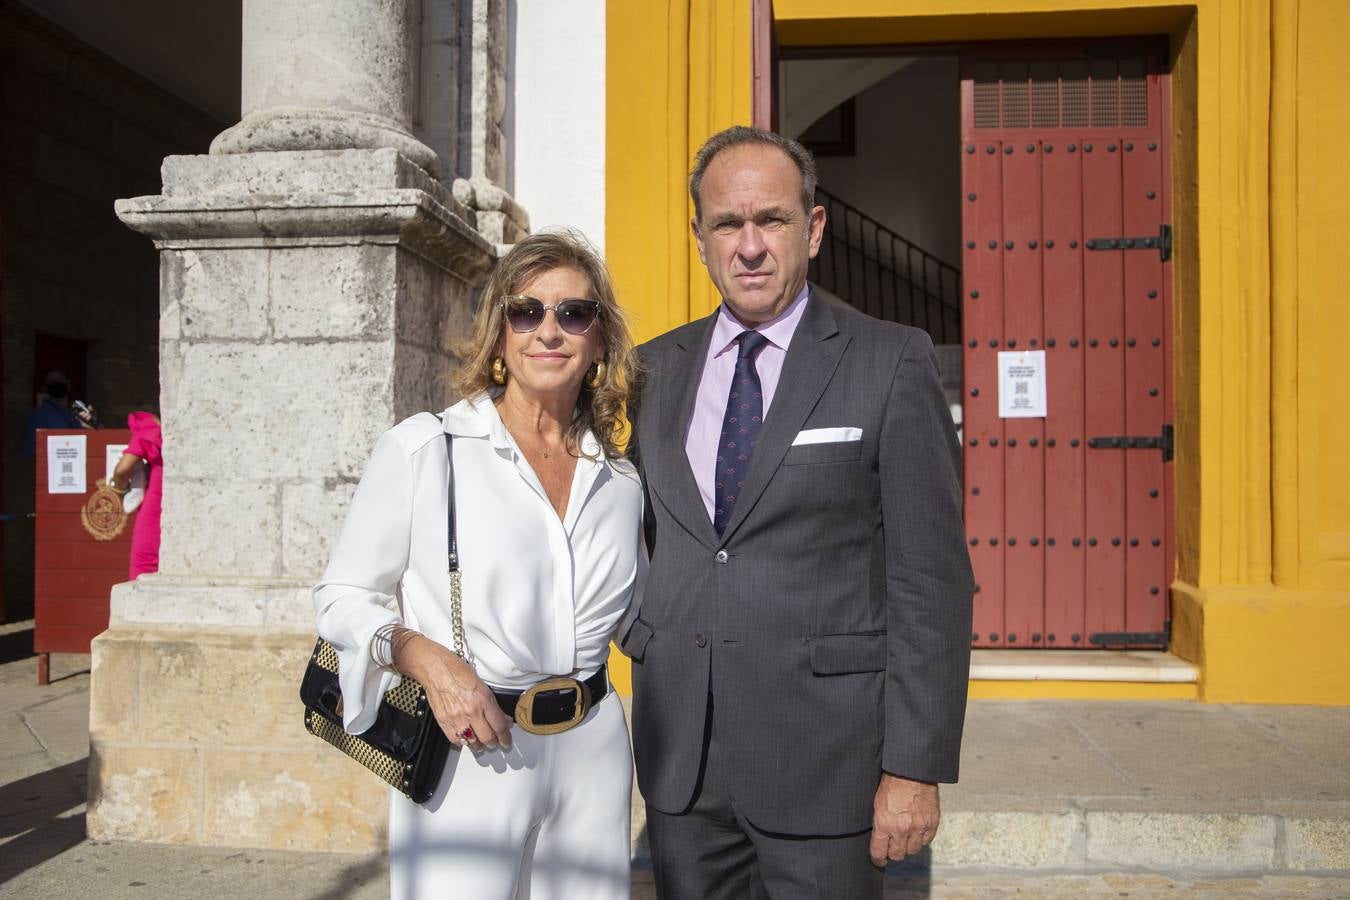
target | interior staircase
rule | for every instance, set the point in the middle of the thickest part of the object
(885, 274)
(868, 266)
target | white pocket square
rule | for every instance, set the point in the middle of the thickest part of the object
(827, 435)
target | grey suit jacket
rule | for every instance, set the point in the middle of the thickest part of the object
(831, 620)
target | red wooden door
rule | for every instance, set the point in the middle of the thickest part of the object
(1065, 183)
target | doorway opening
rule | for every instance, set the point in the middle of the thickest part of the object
(1013, 200)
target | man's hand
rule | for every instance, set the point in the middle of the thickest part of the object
(904, 818)
(87, 415)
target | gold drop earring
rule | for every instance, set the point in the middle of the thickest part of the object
(599, 377)
(498, 370)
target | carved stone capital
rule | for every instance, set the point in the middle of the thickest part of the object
(500, 218)
(309, 199)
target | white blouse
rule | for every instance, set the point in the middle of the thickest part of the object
(541, 596)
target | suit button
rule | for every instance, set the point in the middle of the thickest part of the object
(722, 558)
(701, 640)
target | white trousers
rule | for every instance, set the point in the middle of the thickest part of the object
(547, 819)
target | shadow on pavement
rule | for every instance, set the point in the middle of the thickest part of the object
(354, 876)
(912, 877)
(31, 811)
(57, 679)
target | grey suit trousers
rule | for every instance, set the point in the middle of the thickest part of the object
(712, 852)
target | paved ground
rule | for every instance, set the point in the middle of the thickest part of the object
(1205, 801)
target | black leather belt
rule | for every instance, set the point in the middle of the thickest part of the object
(555, 704)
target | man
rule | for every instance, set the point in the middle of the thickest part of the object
(53, 411)
(802, 649)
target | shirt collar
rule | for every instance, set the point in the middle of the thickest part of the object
(477, 417)
(778, 330)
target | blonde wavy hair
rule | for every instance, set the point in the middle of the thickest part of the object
(599, 408)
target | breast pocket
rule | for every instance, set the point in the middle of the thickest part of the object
(832, 452)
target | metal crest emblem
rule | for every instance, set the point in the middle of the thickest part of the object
(102, 515)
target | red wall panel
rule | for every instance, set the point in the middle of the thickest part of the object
(74, 569)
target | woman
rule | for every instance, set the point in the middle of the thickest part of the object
(548, 523)
(144, 448)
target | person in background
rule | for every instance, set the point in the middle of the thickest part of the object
(144, 449)
(54, 411)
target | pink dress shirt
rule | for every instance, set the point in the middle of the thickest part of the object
(719, 367)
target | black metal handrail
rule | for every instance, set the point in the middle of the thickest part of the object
(884, 274)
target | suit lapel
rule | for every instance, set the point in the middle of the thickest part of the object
(811, 360)
(682, 371)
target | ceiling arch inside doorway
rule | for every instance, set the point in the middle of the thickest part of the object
(809, 88)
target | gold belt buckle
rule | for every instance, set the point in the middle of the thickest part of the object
(525, 705)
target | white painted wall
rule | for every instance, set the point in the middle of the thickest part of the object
(557, 90)
(907, 171)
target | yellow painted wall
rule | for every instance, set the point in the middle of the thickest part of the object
(1269, 613)
(813, 23)
(1261, 120)
(1311, 269)
(677, 71)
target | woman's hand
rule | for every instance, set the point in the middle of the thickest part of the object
(459, 699)
(121, 476)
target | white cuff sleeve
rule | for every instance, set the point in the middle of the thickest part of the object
(359, 590)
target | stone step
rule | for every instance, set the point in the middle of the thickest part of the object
(1100, 835)
(1110, 786)
(1113, 835)
(1141, 666)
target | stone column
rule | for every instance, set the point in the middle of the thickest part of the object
(319, 74)
(313, 277)
(482, 107)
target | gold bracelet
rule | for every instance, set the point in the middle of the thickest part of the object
(386, 641)
(112, 486)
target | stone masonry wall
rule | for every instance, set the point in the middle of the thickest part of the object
(303, 318)
(309, 300)
(77, 131)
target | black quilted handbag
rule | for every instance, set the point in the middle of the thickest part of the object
(405, 746)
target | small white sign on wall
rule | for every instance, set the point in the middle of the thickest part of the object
(1021, 384)
(113, 457)
(65, 464)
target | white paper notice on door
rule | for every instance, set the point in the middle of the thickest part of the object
(1021, 384)
(112, 456)
(65, 464)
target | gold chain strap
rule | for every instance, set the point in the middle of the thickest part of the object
(457, 616)
(456, 604)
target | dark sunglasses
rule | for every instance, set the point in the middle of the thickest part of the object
(575, 316)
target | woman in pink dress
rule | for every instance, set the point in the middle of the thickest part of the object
(143, 448)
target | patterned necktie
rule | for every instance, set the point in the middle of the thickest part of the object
(740, 428)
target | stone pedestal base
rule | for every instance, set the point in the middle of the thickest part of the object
(196, 738)
(196, 731)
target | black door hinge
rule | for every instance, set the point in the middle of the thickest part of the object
(1162, 243)
(1163, 442)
